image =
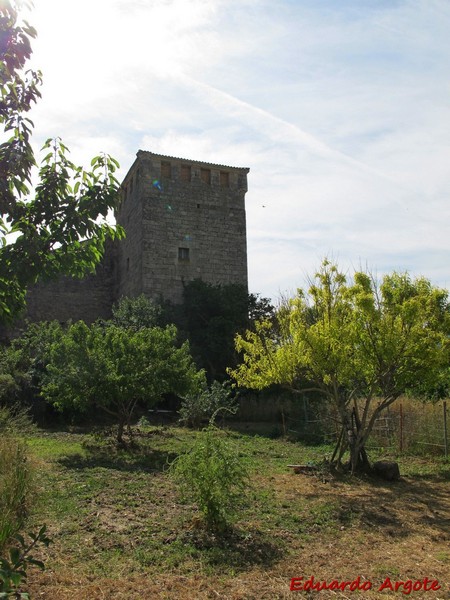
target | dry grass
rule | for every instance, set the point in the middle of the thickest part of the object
(416, 427)
(15, 484)
(121, 532)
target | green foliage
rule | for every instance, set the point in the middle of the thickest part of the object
(15, 420)
(137, 313)
(349, 341)
(114, 369)
(13, 572)
(61, 227)
(198, 408)
(211, 317)
(213, 475)
(23, 363)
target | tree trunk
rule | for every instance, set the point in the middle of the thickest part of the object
(351, 438)
(120, 441)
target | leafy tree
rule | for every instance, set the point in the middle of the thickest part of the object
(61, 227)
(137, 313)
(211, 317)
(199, 407)
(113, 369)
(23, 363)
(359, 345)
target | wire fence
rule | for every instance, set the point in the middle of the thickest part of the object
(407, 426)
(413, 427)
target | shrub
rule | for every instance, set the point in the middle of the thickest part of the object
(213, 475)
(15, 420)
(23, 363)
(197, 408)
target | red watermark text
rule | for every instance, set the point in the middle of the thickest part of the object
(300, 584)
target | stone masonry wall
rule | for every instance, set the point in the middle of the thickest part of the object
(67, 298)
(193, 218)
(129, 254)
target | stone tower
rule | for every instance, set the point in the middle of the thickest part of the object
(184, 220)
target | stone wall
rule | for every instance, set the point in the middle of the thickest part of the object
(67, 298)
(193, 223)
(130, 250)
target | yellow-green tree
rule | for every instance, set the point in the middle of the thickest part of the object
(353, 341)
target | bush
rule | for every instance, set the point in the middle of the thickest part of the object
(15, 420)
(213, 475)
(23, 363)
(198, 408)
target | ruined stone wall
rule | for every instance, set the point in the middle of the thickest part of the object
(67, 298)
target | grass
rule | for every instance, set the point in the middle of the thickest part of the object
(121, 530)
(15, 486)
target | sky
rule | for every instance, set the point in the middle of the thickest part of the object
(340, 108)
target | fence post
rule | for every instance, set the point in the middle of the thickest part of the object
(445, 431)
(401, 427)
(283, 421)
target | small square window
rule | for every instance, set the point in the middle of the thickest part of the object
(166, 169)
(183, 254)
(205, 176)
(186, 173)
(224, 179)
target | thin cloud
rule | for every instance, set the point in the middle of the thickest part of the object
(341, 112)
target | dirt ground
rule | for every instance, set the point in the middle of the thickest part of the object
(380, 530)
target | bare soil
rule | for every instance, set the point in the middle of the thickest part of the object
(120, 531)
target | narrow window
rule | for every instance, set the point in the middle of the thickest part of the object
(166, 169)
(186, 173)
(183, 254)
(224, 179)
(128, 264)
(205, 176)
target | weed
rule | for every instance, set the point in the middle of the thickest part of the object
(213, 475)
(13, 572)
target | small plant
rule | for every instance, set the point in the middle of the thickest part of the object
(13, 571)
(144, 422)
(214, 476)
(198, 408)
